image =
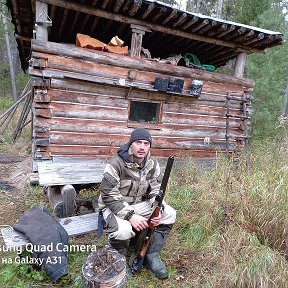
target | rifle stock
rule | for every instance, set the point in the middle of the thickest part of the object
(136, 262)
(155, 213)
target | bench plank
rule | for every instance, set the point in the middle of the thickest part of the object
(51, 173)
(74, 225)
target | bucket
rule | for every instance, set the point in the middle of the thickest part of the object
(105, 268)
(196, 87)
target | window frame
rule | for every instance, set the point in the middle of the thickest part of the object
(159, 110)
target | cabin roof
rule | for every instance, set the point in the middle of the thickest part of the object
(174, 31)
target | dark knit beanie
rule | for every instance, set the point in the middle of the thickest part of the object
(140, 134)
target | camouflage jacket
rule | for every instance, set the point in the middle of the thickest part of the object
(125, 183)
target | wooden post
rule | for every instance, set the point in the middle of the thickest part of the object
(285, 106)
(62, 200)
(227, 124)
(136, 41)
(219, 8)
(10, 60)
(56, 200)
(69, 200)
(240, 65)
(42, 21)
(246, 136)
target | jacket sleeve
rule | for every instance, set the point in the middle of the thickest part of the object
(155, 183)
(111, 195)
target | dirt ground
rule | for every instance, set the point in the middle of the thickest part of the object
(17, 195)
(14, 171)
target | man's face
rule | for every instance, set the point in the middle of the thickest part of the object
(140, 149)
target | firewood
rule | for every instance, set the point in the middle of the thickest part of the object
(118, 50)
(86, 41)
(116, 41)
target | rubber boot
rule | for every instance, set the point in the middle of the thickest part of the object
(121, 246)
(152, 259)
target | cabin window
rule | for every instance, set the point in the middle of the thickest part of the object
(144, 112)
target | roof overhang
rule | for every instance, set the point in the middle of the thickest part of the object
(174, 31)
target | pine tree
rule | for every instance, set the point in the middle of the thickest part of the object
(202, 7)
(170, 2)
(270, 71)
(21, 78)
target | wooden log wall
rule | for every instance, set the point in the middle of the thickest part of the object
(81, 109)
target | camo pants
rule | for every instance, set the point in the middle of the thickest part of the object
(120, 229)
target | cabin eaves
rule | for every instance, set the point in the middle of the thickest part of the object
(174, 31)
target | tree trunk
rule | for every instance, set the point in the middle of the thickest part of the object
(219, 8)
(197, 9)
(285, 106)
(11, 67)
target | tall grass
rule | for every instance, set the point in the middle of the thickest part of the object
(233, 224)
(7, 130)
(231, 228)
(5, 103)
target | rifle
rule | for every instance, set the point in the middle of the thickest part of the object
(137, 258)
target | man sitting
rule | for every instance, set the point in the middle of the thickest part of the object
(128, 189)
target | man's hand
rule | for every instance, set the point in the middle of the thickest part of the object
(138, 222)
(156, 220)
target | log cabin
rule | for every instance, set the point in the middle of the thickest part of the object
(86, 102)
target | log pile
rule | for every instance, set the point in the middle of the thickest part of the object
(86, 41)
(105, 268)
(114, 46)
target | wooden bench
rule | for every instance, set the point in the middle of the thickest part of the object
(74, 225)
(63, 171)
(60, 174)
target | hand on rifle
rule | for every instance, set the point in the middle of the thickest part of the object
(156, 220)
(138, 222)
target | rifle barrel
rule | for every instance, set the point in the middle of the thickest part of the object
(167, 174)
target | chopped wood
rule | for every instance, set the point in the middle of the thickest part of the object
(117, 49)
(116, 41)
(86, 41)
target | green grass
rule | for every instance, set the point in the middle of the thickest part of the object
(5, 103)
(9, 122)
(231, 228)
(237, 218)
